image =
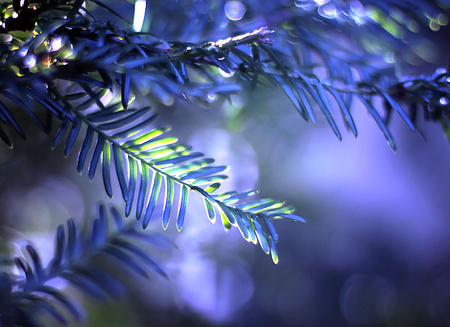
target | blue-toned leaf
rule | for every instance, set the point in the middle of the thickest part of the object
(106, 79)
(126, 120)
(132, 186)
(165, 150)
(305, 101)
(261, 237)
(147, 136)
(288, 216)
(37, 262)
(250, 227)
(285, 209)
(189, 167)
(60, 134)
(179, 159)
(74, 96)
(225, 195)
(106, 168)
(45, 100)
(291, 95)
(103, 223)
(96, 156)
(72, 136)
(232, 198)
(204, 194)
(42, 304)
(212, 187)
(109, 113)
(161, 242)
(142, 255)
(135, 129)
(226, 212)
(146, 147)
(273, 251)
(323, 96)
(240, 223)
(142, 190)
(184, 197)
(133, 63)
(125, 89)
(58, 255)
(176, 72)
(85, 284)
(85, 148)
(120, 170)
(100, 4)
(104, 116)
(23, 105)
(3, 117)
(168, 201)
(210, 210)
(394, 104)
(269, 226)
(26, 268)
(71, 238)
(255, 52)
(256, 66)
(203, 172)
(225, 222)
(78, 78)
(126, 259)
(275, 60)
(327, 114)
(117, 219)
(259, 205)
(95, 99)
(103, 279)
(62, 299)
(344, 109)
(5, 138)
(154, 192)
(376, 116)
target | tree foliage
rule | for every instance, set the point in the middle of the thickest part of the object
(62, 60)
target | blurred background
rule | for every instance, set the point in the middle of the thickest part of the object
(376, 247)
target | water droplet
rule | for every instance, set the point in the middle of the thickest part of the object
(442, 19)
(211, 97)
(444, 101)
(235, 10)
(328, 11)
(414, 26)
(6, 38)
(23, 52)
(30, 61)
(306, 5)
(434, 26)
(358, 9)
(225, 74)
(56, 44)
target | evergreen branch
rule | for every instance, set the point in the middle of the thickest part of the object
(25, 298)
(136, 150)
(96, 55)
(110, 52)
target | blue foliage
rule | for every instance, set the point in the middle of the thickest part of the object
(25, 297)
